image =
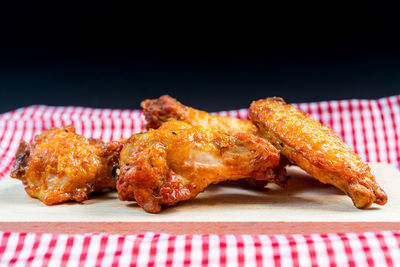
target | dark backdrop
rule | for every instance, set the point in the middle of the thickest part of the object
(212, 58)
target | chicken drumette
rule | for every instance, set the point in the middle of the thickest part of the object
(316, 149)
(178, 161)
(61, 165)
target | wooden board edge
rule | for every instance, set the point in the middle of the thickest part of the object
(198, 227)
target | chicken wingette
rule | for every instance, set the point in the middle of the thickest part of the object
(317, 150)
(166, 108)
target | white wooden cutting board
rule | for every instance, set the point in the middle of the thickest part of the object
(305, 206)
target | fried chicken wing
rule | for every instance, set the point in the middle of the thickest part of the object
(166, 108)
(316, 149)
(178, 161)
(61, 165)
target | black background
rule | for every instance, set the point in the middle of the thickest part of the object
(107, 55)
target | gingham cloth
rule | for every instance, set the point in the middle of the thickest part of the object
(371, 127)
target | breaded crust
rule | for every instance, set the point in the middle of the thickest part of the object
(316, 149)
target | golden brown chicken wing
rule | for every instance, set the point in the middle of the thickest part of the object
(166, 108)
(61, 165)
(178, 161)
(316, 149)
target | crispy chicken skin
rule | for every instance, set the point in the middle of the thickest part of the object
(157, 111)
(316, 149)
(166, 108)
(178, 161)
(61, 165)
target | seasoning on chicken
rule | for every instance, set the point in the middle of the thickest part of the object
(178, 161)
(166, 108)
(61, 165)
(316, 149)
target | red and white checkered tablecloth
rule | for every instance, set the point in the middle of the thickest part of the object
(149, 249)
(371, 127)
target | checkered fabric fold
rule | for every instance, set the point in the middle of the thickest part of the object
(371, 127)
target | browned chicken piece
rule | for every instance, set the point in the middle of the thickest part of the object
(166, 108)
(316, 149)
(178, 161)
(157, 111)
(61, 165)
